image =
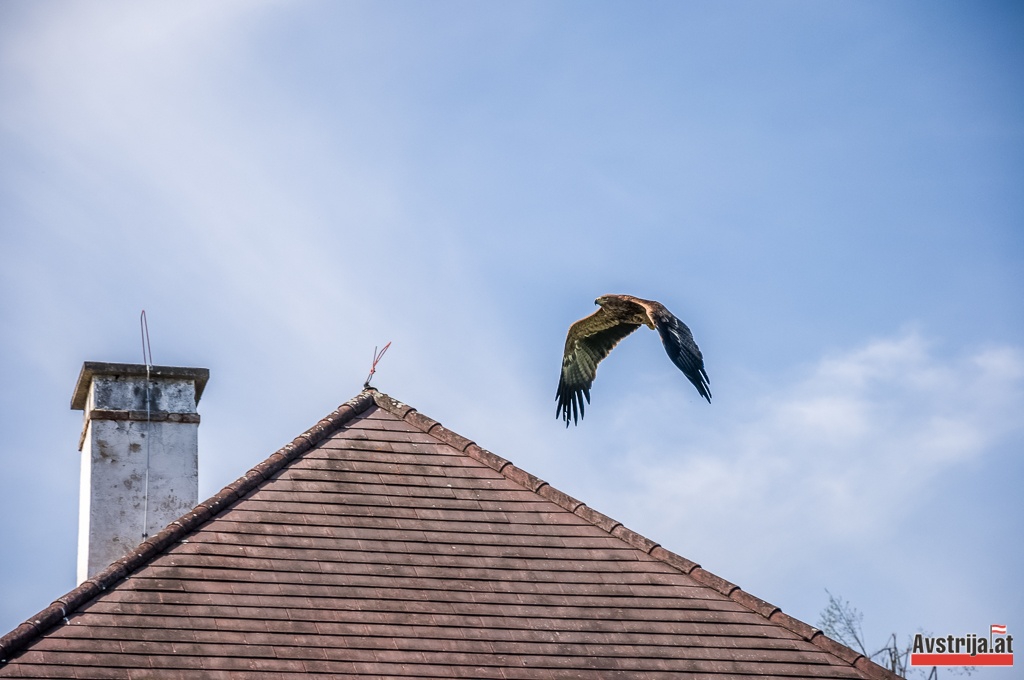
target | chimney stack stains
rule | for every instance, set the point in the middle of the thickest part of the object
(122, 435)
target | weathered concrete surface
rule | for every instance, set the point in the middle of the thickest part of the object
(93, 369)
(114, 514)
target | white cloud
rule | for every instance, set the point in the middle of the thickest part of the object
(845, 451)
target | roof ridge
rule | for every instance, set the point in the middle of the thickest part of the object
(506, 468)
(51, 616)
(35, 626)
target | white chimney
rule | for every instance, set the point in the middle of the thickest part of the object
(140, 455)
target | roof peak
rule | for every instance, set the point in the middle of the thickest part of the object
(369, 397)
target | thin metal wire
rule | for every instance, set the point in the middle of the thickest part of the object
(147, 358)
(147, 351)
(376, 359)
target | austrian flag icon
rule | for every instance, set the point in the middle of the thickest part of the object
(998, 629)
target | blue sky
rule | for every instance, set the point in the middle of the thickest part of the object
(831, 195)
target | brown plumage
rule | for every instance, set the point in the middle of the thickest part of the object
(592, 338)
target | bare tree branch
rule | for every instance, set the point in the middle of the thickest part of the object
(841, 621)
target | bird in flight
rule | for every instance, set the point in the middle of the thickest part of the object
(591, 339)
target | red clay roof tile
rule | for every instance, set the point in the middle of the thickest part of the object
(381, 544)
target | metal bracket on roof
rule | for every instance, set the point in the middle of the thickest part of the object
(373, 368)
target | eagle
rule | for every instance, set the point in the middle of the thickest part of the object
(591, 339)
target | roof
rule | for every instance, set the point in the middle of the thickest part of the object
(381, 544)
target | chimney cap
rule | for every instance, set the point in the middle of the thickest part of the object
(94, 368)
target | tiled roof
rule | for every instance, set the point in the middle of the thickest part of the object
(381, 544)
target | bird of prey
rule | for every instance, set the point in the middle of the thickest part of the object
(592, 338)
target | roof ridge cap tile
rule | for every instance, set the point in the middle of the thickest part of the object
(35, 626)
(768, 611)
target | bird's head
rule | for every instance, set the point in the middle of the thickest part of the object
(601, 300)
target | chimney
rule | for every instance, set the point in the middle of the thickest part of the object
(140, 455)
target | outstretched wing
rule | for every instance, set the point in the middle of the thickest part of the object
(681, 348)
(588, 342)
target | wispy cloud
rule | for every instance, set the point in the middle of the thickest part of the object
(843, 451)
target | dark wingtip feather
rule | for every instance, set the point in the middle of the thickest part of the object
(706, 392)
(570, 404)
